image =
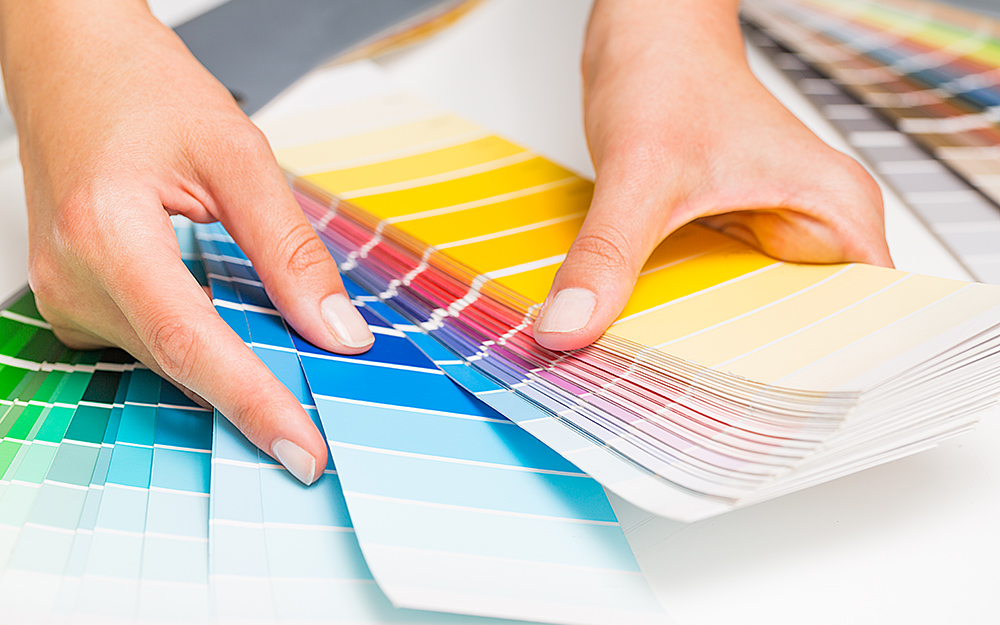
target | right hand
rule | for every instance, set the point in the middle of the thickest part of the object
(121, 127)
(680, 130)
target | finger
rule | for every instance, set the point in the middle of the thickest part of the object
(626, 221)
(182, 337)
(860, 216)
(838, 217)
(256, 205)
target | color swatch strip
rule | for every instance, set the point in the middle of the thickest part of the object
(276, 545)
(60, 417)
(411, 445)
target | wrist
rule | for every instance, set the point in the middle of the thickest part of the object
(678, 35)
(48, 42)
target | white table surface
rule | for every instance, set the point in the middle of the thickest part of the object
(915, 541)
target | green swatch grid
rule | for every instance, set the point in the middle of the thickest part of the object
(74, 430)
(41, 385)
(57, 416)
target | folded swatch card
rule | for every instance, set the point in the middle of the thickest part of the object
(729, 378)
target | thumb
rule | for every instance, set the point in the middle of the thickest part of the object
(625, 223)
(258, 209)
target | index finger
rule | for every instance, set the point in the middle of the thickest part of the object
(192, 345)
(255, 203)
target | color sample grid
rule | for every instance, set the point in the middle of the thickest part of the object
(148, 553)
(280, 551)
(726, 369)
(933, 70)
(965, 221)
(108, 586)
(58, 419)
(104, 493)
(55, 542)
(454, 506)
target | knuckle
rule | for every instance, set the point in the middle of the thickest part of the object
(841, 190)
(858, 201)
(73, 225)
(607, 249)
(44, 277)
(74, 339)
(246, 140)
(866, 185)
(66, 330)
(55, 286)
(68, 254)
(302, 250)
(851, 177)
(229, 139)
(90, 222)
(174, 345)
(51, 313)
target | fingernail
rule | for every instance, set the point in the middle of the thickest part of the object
(299, 463)
(568, 311)
(345, 321)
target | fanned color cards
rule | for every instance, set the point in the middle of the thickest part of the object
(468, 465)
(729, 378)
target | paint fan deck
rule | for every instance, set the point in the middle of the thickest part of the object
(729, 378)
(932, 70)
(469, 465)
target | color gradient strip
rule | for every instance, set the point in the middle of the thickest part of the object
(392, 406)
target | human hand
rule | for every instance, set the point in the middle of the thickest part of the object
(120, 127)
(680, 130)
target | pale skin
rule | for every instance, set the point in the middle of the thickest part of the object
(121, 127)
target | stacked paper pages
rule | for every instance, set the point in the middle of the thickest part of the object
(729, 378)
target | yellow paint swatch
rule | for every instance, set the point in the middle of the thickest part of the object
(455, 193)
(690, 276)
(562, 200)
(687, 241)
(767, 324)
(344, 151)
(518, 249)
(705, 309)
(414, 167)
(857, 319)
(534, 284)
